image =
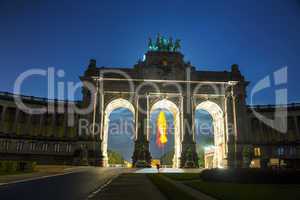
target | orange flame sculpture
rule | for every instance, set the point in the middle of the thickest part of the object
(162, 126)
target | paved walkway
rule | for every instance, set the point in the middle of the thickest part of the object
(167, 170)
(129, 186)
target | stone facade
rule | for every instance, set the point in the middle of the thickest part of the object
(272, 147)
(45, 138)
(162, 80)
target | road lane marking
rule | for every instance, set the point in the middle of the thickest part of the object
(93, 194)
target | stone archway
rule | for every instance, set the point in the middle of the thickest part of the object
(170, 106)
(113, 105)
(218, 128)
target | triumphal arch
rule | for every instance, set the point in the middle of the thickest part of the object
(163, 79)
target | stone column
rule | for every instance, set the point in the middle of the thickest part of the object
(231, 132)
(95, 111)
(53, 124)
(148, 119)
(100, 120)
(189, 156)
(4, 108)
(16, 121)
(101, 113)
(240, 120)
(41, 124)
(141, 155)
(97, 126)
(104, 161)
(297, 133)
(65, 124)
(8, 121)
(234, 123)
(226, 133)
(62, 119)
(28, 125)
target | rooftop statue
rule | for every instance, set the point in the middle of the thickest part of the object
(170, 44)
(177, 45)
(163, 44)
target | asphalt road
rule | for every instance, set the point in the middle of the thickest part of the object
(74, 186)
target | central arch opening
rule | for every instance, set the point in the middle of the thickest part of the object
(162, 151)
(164, 134)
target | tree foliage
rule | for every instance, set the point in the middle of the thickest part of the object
(205, 140)
(115, 157)
(167, 158)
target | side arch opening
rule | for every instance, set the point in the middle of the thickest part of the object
(210, 131)
(118, 133)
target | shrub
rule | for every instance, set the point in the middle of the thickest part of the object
(1, 166)
(31, 166)
(26, 166)
(10, 166)
(141, 164)
(189, 164)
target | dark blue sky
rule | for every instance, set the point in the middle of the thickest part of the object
(260, 36)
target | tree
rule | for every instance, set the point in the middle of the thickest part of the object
(247, 155)
(205, 140)
(115, 157)
(167, 158)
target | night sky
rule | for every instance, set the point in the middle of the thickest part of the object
(260, 36)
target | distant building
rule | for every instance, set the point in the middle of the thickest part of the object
(209, 154)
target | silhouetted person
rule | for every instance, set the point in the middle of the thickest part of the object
(157, 167)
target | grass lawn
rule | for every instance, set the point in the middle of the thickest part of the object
(232, 191)
(183, 176)
(168, 189)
